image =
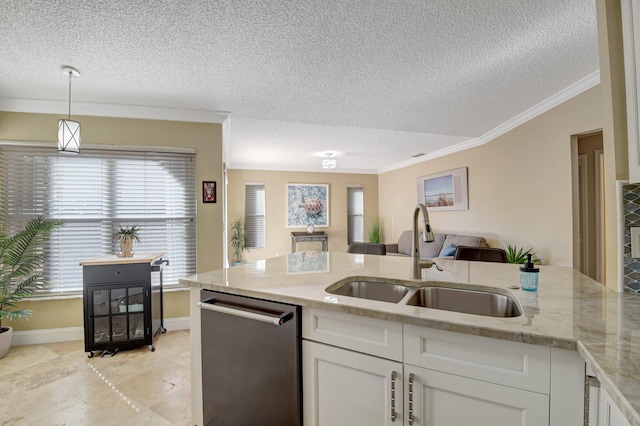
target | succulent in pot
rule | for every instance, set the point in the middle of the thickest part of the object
(125, 236)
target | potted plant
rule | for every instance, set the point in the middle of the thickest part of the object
(375, 233)
(126, 235)
(237, 241)
(518, 255)
(21, 258)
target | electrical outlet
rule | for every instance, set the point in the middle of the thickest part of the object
(635, 241)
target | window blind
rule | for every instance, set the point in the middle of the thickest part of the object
(355, 214)
(254, 218)
(96, 192)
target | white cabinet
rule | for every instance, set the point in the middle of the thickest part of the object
(343, 387)
(445, 378)
(434, 398)
(608, 412)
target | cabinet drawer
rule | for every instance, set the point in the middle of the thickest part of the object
(514, 364)
(368, 335)
(111, 274)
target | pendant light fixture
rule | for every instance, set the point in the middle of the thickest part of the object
(329, 162)
(69, 130)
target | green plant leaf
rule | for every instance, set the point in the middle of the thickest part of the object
(518, 255)
(21, 259)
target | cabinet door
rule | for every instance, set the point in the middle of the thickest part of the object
(342, 387)
(439, 399)
(608, 412)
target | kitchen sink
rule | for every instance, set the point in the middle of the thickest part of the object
(466, 301)
(373, 290)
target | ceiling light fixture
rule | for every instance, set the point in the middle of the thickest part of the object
(329, 162)
(69, 130)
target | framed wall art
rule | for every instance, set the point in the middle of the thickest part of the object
(208, 192)
(445, 190)
(307, 204)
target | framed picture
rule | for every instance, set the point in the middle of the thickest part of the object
(445, 190)
(208, 192)
(307, 204)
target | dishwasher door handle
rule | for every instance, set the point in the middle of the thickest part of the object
(272, 319)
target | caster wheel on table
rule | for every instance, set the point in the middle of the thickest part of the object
(163, 330)
(90, 354)
(152, 348)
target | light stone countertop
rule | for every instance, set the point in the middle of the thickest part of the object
(112, 259)
(569, 311)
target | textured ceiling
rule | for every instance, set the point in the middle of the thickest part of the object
(445, 70)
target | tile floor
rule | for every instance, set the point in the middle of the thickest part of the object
(57, 384)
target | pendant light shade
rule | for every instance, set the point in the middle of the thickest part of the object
(69, 130)
(329, 162)
(68, 136)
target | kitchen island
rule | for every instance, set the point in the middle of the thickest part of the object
(569, 312)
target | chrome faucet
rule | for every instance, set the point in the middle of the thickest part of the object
(417, 264)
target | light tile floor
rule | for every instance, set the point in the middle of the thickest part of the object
(57, 384)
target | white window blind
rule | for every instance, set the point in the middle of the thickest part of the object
(355, 214)
(96, 192)
(254, 220)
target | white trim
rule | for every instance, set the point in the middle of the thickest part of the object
(564, 95)
(67, 334)
(103, 147)
(599, 178)
(314, 169)
(113, 110)
(583, 184)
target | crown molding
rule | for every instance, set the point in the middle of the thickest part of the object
(113, 110)
(562, 96)
(300, 169)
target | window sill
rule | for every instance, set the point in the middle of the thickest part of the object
(78, 294)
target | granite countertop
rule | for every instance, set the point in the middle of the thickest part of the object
(569, 311)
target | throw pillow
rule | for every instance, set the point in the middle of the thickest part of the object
(450, 250)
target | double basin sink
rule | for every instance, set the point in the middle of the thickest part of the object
(433, 295)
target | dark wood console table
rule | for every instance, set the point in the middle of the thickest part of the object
(298, 237)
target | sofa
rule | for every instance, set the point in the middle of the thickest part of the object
(444, 245)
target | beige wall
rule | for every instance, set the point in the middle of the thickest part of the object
(277, 234)
(520, 189)
(205, 138)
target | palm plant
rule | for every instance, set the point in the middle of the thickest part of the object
(21, 260)
(518, 255)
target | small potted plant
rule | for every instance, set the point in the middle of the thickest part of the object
(126, 235)
(21, 260)
(375, 231)
(518, 255)
(237, 241)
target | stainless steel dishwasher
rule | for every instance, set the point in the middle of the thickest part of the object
(251, 361)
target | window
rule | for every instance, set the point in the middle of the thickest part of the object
(254, 220)
(355, 214)
(96, 192)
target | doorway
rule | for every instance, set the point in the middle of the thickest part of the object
(588, 210)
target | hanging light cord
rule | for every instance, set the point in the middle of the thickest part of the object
(70, 73)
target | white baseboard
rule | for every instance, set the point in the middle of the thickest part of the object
(67, 334)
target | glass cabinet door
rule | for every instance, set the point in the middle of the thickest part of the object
(118, 314)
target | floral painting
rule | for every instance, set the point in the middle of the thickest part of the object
(307, 204)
